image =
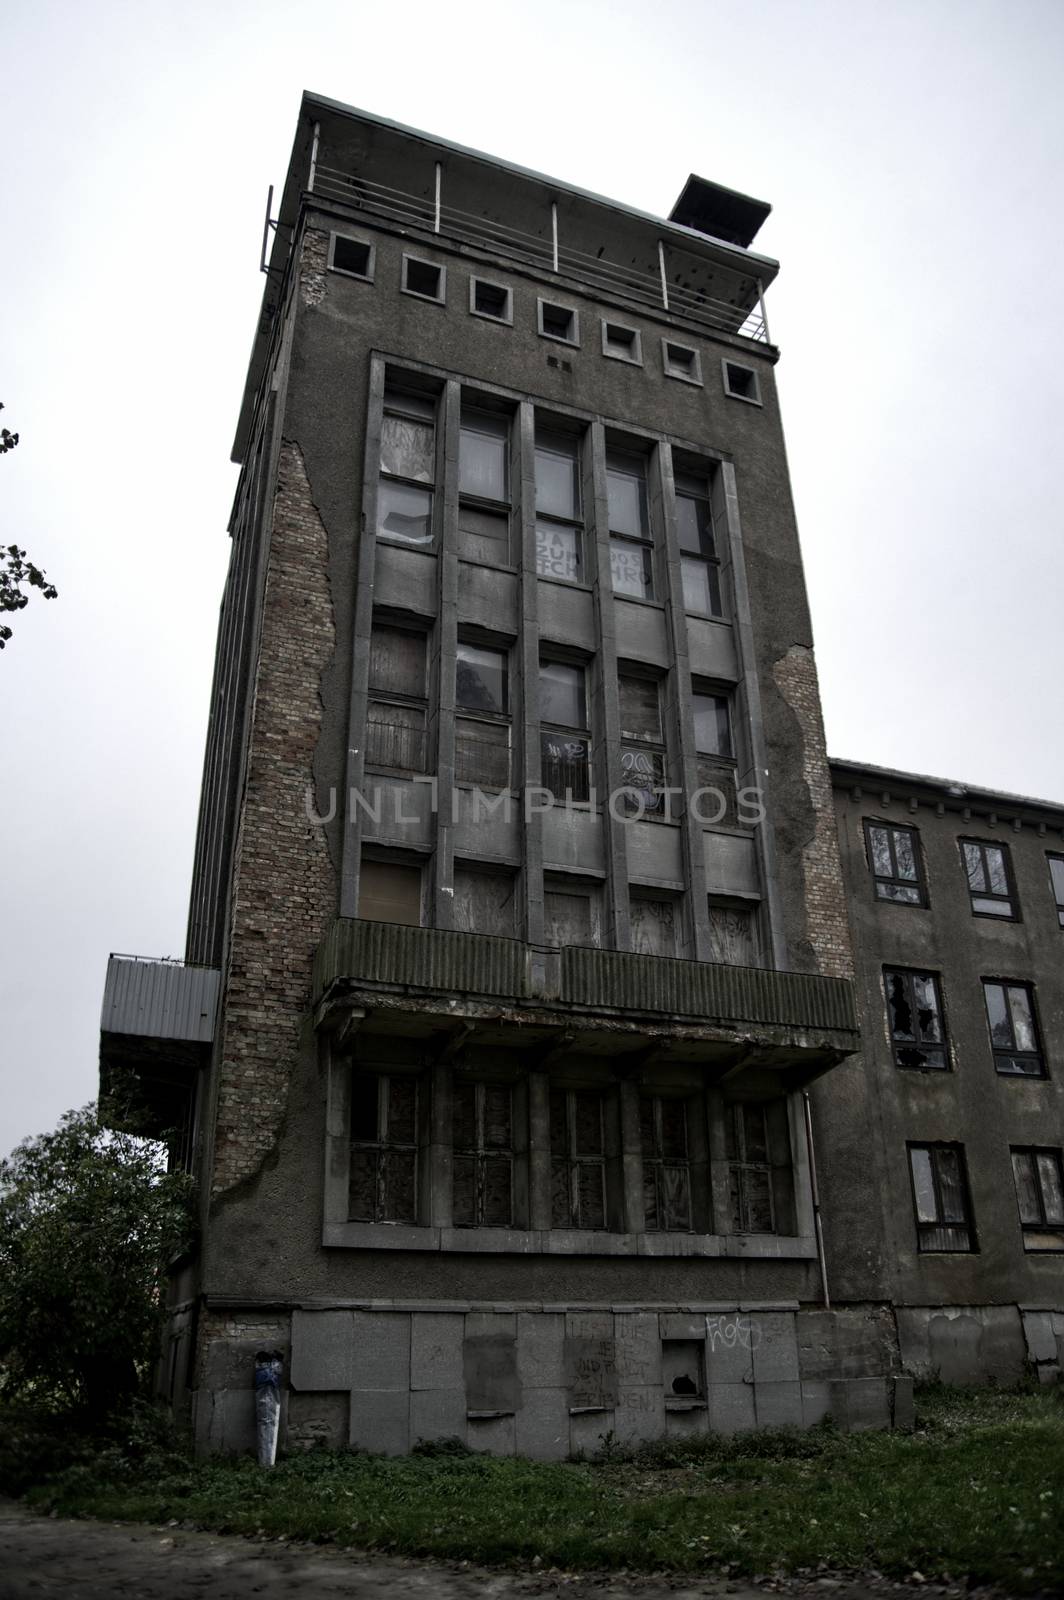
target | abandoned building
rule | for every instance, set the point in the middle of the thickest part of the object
(548, 1069)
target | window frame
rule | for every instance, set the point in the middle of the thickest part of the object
(698, 490)
(1011, 1053)
(347, 272)
(382, 1146)
(900, 1047)
(546, 728)
(644, 542)
(506, 317)
(398, 698)
(635, 744)
(1010, 898)
(925, 1229)
(671, 370)
(632, 346)
(739, 1164)
(1058, 893)
(574, 1160)
(576, 524)
(726, 366)
(1051, 1232)
(543, 306)
(654, 1165)
(392, 402)
(439, 267)
(480, 1153)
(919, 883)
(476, 715)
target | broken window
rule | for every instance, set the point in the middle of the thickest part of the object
(989, 879)
(559, 524)
(749, 1169)
(577, 1158)
(565, 748)
(482, 724)
(699, 566)
(1013, 1028)
(1039, 1178)
(666, 1163)
(683, 1370)
(654, 926)
(484, 902)
(395, 717)
(384, 1148)
(733, 938)
(389, 892)
(408, 467)
(1056, 878)
(571, 915)
(483, 1158)
(914, 1010)
(940, 1197)
(642, 747)
(631, 549)
(894, 855)
(351, 256)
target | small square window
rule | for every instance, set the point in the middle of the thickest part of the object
(741, 383)
(621, 343)
(425, 279)
(354, 257)
(679, 361)
(491, 300)
(558, 322)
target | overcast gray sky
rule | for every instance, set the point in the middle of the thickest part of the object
(912, 154)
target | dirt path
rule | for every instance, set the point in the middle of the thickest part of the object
(44, 1556)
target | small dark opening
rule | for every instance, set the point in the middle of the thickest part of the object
(423, 278)
(491, 299)
(681, 358)
(741, 381)
(622, 338)
(558, 320)
(351, 255)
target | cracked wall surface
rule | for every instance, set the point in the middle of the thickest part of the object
(284, 888)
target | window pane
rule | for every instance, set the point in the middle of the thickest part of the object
(923, 1185)
(557, 483)
(465, 1116)
(564, 766)
(712, 724)
(480, 679)
(900, 893)
(561, 694)
(362, 1186)
(673, 1128)
(950, 1184)
(557, 551)
(701, 587)
(898, 1006)
(904, 855)
(364, 1124)
(1022, 1020)
(497, 1119)
(643, 772)
(991, 908)
(640, 704)
(399, 1176)
(587, 1122)
(404, 512)
(388, 893)
(626, 492)
(1052, 1188)
(675, 1196)
(653, 927)
(560, 1201)
(1023, 1170)
(757, 1188)
(879, 843)
(591, 1192)
(402, 1110)
(464, 1190)
(928, 1020)
(632, 569)
(995, 860)
(694, 526)
(498, 1192)
(482, 753)
(973, 861)
(408, 448)
(483, 449)
(397, 661)
(1056, 873)
(484, 535)
(997, 1016)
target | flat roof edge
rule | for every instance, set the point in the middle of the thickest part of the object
(949, 787)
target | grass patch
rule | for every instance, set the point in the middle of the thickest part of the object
(974, 1493)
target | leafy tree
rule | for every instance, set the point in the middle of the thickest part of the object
(89, 1219)
(15, 570)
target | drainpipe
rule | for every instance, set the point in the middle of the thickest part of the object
(817, 1222)
(269, 1364)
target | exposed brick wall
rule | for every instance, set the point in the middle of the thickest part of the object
(284, 888)
(825, 896)
(313, 267)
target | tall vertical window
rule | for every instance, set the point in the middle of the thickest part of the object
(578, 1158)
(1056, 878)
(483, 1159)
(642, 745)
(482, 722)
(631, 549)
(484, 487)
(749, 1168)
(384, 1148)
(565, 748)
(940, 1197)
(559, 522)
(894, 856)
(1013, 1029)
(666, 1163)
(914, 1009)
(1039, 1179)
(408, 467)
(716, 755)
(395, 715)
(699, 564)
(989, 879)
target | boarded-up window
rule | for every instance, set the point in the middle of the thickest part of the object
(389, 892)
(384, 1148)
(654, 926)
(396, 661)
(483, 456)
(484, 902)
(571, 917)
(749, 1169)
(732, 935)
(483, 1155)
(640, 704)
(395, 736)
(577, 1158)
(395, 717)
(666, 1163)
(482, 753)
